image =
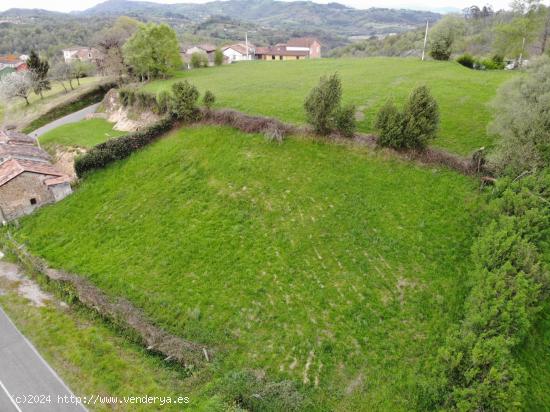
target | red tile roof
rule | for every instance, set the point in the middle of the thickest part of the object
(302, 42)
(12, 168)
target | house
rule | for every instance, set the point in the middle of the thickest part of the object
(84, 54)
(17, 63)
(28, 180)
(294, 49)
(239, 52)
(207, 49)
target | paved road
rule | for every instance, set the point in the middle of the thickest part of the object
(24, 372)
(70, 118)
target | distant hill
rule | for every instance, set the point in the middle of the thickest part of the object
(219, 22)
(332, 17)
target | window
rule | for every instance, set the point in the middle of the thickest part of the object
(297, 57)
(33, 201)
(280, 57)
(272, 57)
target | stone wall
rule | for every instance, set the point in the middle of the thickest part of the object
(23, 194)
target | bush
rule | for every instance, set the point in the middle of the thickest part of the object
(199, 60)
(119, 148)
(163, 100)
(466, 60)
(441, 46)
(323, 103)
(344, 120)
(218, 57)
(389, 123)
(184, 101)
(420, 119)
(209, 99)
(521, 120)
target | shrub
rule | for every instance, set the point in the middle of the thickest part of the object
(441, 46)
(218, 57)
(466, 60)
(209, 99)
(420, 119)
(199, 60)
(344, 120)
(323, 103)
(184, 101)
(119, 148)
(163, 100)
(389, 123)
(521, 120)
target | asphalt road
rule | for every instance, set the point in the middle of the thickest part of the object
(70, 118)
(25, 376)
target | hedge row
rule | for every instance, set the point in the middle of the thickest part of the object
(477, 370)
(119, 148)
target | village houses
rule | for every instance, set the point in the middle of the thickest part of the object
(28, 180)
(83, 54)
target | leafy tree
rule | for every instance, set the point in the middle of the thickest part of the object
(441, 46)
(323, 104)
(209, 99)
(80, 69)
(420, 119)
(152, 51)
(61, 73)
(199, 60)
(521, 120)
(184, 101)
(39, 73)
(218, 57)
(16, 85)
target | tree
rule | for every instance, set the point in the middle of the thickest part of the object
(389, 123)
(199, 60)
(420, 119)
(152, 51)
(184, 101)
(39, 73)
(344, 120)
(209, 99)
(218, 57)
(80, 69)
(61, 72)
(323, 103)
(521, 119)
(443, 37)
(16, 85)
(110, 42)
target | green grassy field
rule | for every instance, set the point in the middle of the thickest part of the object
(279, 88)
(328, 265)
(86, 133)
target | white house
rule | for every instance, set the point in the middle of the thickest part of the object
(238, 52)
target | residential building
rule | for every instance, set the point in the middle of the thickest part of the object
(17, 63)
(207, 49)
(239, 52)
(294, 49)
(84, 54)
(28, 180)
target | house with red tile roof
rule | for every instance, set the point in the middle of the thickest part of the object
(295, 49)
(28, 180)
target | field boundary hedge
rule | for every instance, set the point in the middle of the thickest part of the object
(118, 311)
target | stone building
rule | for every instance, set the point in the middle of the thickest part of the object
(28, 180)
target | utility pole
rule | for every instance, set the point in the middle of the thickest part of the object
(425, 40)
(246, 41)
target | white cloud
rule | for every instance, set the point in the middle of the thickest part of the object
(68, 5)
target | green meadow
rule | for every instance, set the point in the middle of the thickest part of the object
(332, 266)
(278, 89)
(86, 133)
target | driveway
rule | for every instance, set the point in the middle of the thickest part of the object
(70, 118)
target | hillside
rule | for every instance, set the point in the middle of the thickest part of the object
(308, 262)
(270, 21)
(279, 90)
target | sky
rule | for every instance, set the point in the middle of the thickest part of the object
(70, 5)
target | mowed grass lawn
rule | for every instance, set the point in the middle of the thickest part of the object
(327, 265)
(86, 133)
(279, 88)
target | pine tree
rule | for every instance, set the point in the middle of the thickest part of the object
(420, 119)
(39, 73)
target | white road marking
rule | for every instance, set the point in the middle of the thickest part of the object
(9, 396)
